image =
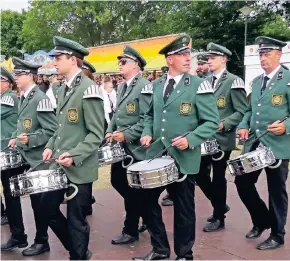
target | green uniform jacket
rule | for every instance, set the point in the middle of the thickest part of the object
(55, 88)
(263, 110)
(206, 75)
(35, 114)
(9, 109)
(190, 108)
(232, 103)
(131, 109)
(80, 115)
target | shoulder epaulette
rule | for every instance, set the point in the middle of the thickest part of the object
(147, 89)
(7, 100)
(238, 83)
(93, 92)
(204, 87)
(44, 105)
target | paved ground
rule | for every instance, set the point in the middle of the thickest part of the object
(107, 219)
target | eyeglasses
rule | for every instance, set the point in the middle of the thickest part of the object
(123, 62)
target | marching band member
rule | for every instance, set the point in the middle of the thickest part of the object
(133, 99)
(202, 66)
(80, 115)
(231, 102)
(269, 104)
(9, 108)
(35, 115)
(181, 103)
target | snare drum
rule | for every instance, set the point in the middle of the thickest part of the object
(258, 159)
(10, 158)
(111, 153)
(159, 172)
(38, 182)
(209, 147)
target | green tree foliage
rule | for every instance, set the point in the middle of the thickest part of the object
(94, 23)
(11, 26)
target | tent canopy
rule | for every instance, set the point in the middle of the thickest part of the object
(104, 58)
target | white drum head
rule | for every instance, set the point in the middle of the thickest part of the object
(153, 165)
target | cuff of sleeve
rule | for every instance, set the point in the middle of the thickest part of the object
(128, 137)
(147, 132)
(243, 125)
(287, 124)
(227, 127)
(191, 143)
(78, 160)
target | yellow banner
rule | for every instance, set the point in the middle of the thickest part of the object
(104, 58)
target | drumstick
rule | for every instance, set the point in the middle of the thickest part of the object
(266, 132)
(5, 148)
(109, 137)
(28, 134)
(169, 146)
(141, 146)
(137, 148)
(124, 129)
(51, 159)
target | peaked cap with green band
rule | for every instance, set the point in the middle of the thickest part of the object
(216, 49)
(86, 65)
(267, 44)
(129, 52)
(7, 76)
(67, 46)
(177, 46)
(21, 66)
(202, 58)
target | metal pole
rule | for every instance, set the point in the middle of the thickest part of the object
(245, 42)
(246, 29)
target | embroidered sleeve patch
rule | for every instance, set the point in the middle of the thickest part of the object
(44, 105)
(27, 123)
(238, 84)
(147, 89)
(7, 100)
(93, 92)
(204, 87)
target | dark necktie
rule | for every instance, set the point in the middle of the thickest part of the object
(213, 82)
(264, 85)
(169, 89)
(111, 103)
(22, 98)
(124, 89)
(66, 90)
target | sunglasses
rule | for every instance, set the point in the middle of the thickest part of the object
(15, 75)
(123, 62)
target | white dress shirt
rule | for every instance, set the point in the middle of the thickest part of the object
(272, 74)
(130, 80)
(177, 79)
(69, 82)
(25, 93)
(107, 106)
(112, 98)
(51, 97)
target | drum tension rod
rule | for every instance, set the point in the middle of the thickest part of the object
(169, 146)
